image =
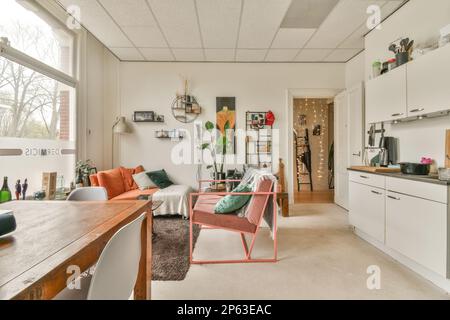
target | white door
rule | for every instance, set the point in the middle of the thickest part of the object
(386, 96)
(428, 82)
(417, 228)
(356, 124)
(367, 209)
(341, 149)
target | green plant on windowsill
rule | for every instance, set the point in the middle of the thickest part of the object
(214, 145)
(86, 168)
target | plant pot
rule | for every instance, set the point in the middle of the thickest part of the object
(402, 58)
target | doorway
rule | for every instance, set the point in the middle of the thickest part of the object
(313, 150)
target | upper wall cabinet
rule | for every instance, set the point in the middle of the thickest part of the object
(386, 97)
(428, 83)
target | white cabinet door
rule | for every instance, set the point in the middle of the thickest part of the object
(356, 124)
(428, 82)
(417, 228)
(367, 210)
(386, 96)
(341, 149)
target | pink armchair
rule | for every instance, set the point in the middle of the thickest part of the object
(203, 214)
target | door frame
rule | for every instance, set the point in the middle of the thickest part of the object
(290, 96)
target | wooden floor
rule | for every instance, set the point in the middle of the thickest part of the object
(326, 196)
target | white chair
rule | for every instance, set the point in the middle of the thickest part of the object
(117, 269)
(88, 194)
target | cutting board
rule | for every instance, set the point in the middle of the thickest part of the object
(447, 150)
(376, 169)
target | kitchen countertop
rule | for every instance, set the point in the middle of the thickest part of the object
(426, 179)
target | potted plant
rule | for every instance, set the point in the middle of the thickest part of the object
(85, 168)
(216, 147)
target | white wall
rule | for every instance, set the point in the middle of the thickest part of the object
(354, 71)
(98, 101)
(257, 87)
(419, 20)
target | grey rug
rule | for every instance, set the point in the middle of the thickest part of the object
(171, 248)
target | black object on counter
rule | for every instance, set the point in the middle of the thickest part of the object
(418, 169)
(7, 223)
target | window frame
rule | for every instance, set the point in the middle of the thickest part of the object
(19, 57)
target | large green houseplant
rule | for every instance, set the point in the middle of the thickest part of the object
(216, 146)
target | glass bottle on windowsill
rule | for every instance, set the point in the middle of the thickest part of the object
(79, 180)
(5, 193)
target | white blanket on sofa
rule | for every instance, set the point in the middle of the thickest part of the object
(175, 200)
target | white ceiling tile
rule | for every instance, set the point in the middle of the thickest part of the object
(342, 55)
(129, 12)
(157, 54)
(281, 55)
(356, 40)
(346, 17)
(260, 22)
(292, 38)
(219, 22)
(145, 36)
(127, 53)
(178, 21)
(313, 55)
(248, 55)
(188, 54)
(99, 23)
(219, 54)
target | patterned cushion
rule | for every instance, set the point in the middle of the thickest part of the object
(231, 203)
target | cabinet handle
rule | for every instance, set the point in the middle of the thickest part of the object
(376, 192)
(364, 177)
(357, 154)
(397, 114)
(417, 110)
(394, 198)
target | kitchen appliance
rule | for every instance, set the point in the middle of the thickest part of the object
(388, 151)
(418, 169)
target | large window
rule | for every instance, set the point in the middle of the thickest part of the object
(37, 95)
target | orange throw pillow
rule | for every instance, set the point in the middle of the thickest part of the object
(112, 181)
(127, 175)
(94, 180)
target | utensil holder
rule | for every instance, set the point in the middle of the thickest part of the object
(402, 58)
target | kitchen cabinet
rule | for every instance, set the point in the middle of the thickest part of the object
(417, 228)
(386, 96)
(428, 79)
(367, 209)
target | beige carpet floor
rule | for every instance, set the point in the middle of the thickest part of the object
(320, 258)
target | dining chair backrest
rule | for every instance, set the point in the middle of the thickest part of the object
(117, 268)
(88, 194)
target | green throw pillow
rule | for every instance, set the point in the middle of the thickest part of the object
(229, 204)
(160, 178)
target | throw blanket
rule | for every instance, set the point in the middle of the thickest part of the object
(252, 177)
(175, 200)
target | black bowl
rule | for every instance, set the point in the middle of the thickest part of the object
(418, 169)
(7, 223)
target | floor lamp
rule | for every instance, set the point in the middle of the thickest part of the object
(119, 127)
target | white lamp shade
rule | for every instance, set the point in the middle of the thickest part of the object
(121, 126)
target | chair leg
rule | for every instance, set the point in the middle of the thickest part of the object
(191, 245)
(244, 244)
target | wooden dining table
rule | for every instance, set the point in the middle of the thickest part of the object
(53, 236)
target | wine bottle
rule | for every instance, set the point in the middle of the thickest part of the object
(5, 193)
(79, 180)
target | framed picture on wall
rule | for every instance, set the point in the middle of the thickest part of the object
(144, 116)
(226, 119)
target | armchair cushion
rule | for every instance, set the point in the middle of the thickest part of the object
(232, 203)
